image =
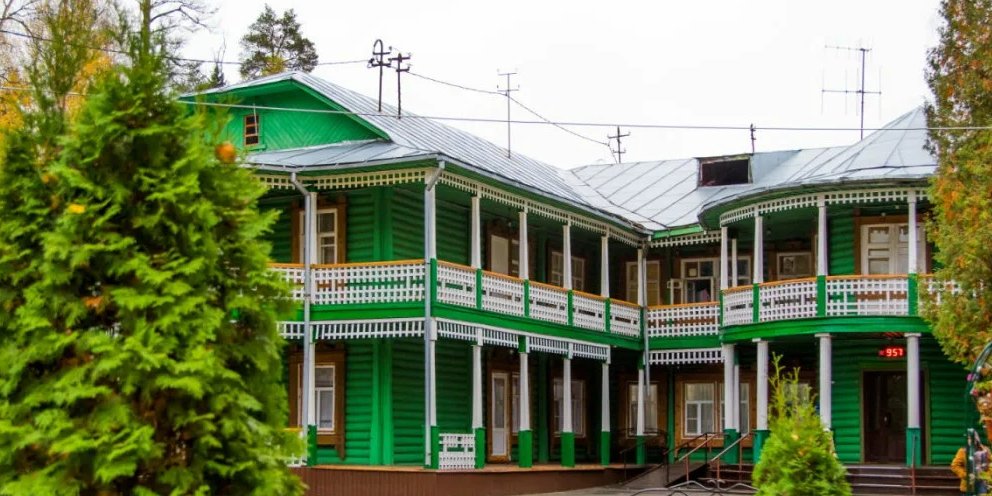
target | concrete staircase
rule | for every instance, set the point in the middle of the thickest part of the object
(869, 480)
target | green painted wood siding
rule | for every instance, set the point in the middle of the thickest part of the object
(454, 385)
(841, 241)
(279, 129)
(408, 401)
(360, 226)
(280, 237)
(408, 224)
(358, 402)
(946, 408)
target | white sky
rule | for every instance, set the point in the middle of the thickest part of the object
(652, 62)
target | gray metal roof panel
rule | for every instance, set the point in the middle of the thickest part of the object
(348, 154)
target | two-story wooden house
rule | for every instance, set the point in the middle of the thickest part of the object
(461, 308)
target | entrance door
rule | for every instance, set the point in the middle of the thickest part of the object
(884, 426)
(499, 409)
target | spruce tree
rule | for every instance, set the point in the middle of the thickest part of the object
(960, 77)
(274, 44)
(138, 335)
(798, 458)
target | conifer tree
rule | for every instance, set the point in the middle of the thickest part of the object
(274, 44)
(960, 77)
(798, 457)
(138, 339)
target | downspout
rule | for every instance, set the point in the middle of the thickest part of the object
(644, 314)
(308, 359)
(430, 255)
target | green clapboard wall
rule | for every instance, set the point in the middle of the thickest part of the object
(841, 241)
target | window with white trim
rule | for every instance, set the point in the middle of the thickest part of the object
(651, 411)
(743, 271)
(578, 407)
(324, 384)
(504, 256)
(558, 268)
(326, 235)
(653, 289)
(885, 249)
(699, 408)
(744, 422)
(699, 277)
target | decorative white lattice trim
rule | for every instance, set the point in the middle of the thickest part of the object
(687, 356)
(457, 451)
(556, 214)
(457, 330)
(291, 330)
(811, 200)
(511, 339)
(704, 237)
(549, 345)
(347, 180)
(591, 351)
(274, 181)
(363, 329)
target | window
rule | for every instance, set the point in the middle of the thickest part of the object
(504, 256)
(558, 268)
(724, 171)
(324, 383)
(653, 282)
(885, 249)
(251, 129)
(743, 271)
(329, 397)
(650, 414)
(578, 407)
(327, 236)
(794, 265)
(699, 414)
(744, 422)
(699, 276)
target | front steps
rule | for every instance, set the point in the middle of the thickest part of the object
(868, 480)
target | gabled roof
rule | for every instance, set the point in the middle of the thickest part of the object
(336, 155)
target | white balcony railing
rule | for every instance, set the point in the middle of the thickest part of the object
(625, 318)
(785, 300)
(867, 295)
(457, 452)
(588, 311)
(548, 303)
(692, 319)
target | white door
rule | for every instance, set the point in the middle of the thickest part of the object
(500, 420)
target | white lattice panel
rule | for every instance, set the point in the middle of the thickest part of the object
(706, 237)
(456, 285)
(591, 351)
(937, 289)
(738, 306)
(588, 312)
(294, 274)
(686, 356)
(625, 318)
(364, 329)
(787, 300)
(548, 345)
(867, 295)
(291, 330)
(500, 337)
(455, 330)
(548, 303)
(502, 294)
(877, 195)
(369, 283)
(457, 451)
(368, 179)
(694, 319)
(274, 181)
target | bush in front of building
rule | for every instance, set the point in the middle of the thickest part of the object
(798, 458)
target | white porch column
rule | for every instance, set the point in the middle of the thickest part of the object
(566, 254)
(430, 393)
(759, 250)
(566, 395)
(735, 409)
(604, 412)
(477, 422)
(641, 410)
(913, 381)
(641, 279)
(728, 386)
(826, 380)
(912, 234)
(821, 237)
(734, 276)
(762, 392)
(522, 259)
(604, 264)
(524, 392)
(308, 415)
(476, 233)
(724, 267)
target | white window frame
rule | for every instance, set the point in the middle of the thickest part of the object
(743, 276)
(558, 269)
(698, 406)
(322, 237)
(578, 407)
(898, 250)
(810, 267)
(714, 286)
(744, 422)
(651, 412)
(319, 390)
(653, 287)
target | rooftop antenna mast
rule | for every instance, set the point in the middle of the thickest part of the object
(378, 60)
(861, 91)
(399, 59)
(753, 137)
(506, 91)
(619, 151)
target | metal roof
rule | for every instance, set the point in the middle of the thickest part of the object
(343, 155)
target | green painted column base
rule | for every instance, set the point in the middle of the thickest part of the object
(914, 442)
(760, 437)
(525, 449)
(567, 449)
(641, 451)
(729, 436)
(311, 445)
(604, 447)
(435, 447)
(480, 447)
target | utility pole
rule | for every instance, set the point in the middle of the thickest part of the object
(861, 91)
(753, 137)
(620, 151)
(506, 91)
(399, 59)
(378, 60)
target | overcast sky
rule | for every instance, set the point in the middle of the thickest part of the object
(647, 62)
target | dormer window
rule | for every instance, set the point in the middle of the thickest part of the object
(724, 171)
(251, 129)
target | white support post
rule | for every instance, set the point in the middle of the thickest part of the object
(309, 413)
(524, 393)
(604, 412)
(826, 380)
(736, 405)
(566, 395)
(762, 406)
(724, 262)
(524, 263)
(604, 266)
(734, 276)
(821, 237)
(641, 410)
(476, 387)
(913, 381)
(759, 250)
(566, 255)
(912, 234)
(430, 396)
(476, 234)
(641, 278)
(728, 386)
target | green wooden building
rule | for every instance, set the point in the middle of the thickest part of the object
(461, 308)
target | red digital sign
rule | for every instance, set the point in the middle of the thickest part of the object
(892, 352)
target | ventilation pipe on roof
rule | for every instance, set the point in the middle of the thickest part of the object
(307, 413)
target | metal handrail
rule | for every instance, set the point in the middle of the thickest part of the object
(739, 443)
(623, 453)
(706, 437)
